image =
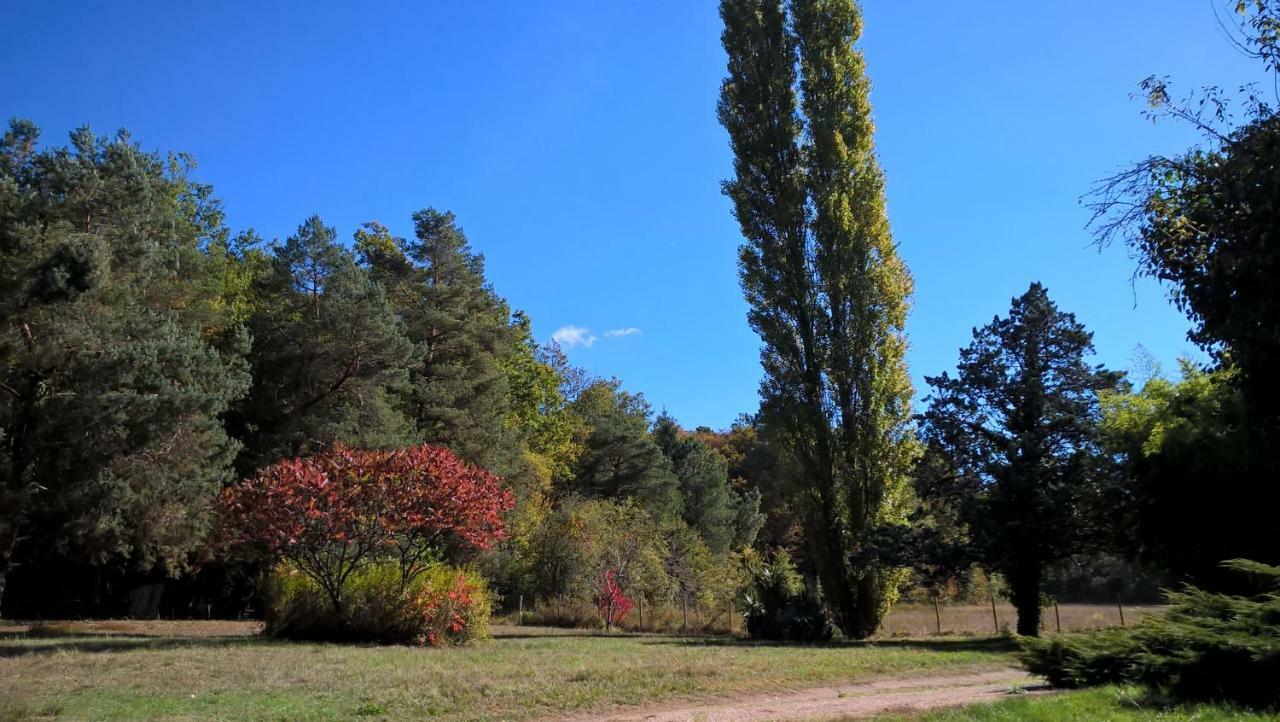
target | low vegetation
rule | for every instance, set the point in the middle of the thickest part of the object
(1206, 646)
(1113, 704)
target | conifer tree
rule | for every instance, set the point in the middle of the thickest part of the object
(329, 355)
(827, 291)
(116, 360)
(619, 458)
(1015, 446)
(711, 507)
(457, 393)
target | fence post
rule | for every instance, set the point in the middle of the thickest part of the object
(1121, 608)
(1057, 616)
(995, 621)
(640, 606)
(521, 622)
(937, 615)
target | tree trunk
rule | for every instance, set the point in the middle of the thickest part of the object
(1024, 587)
(8, 543)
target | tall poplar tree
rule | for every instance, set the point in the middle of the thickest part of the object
(827, 291)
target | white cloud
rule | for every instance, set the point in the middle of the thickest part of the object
(571, 336)
(619, 332)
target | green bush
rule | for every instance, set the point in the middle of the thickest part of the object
(1206, 646)
(776, 605)
(442, 606)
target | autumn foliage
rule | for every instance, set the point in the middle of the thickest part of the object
(613, 603)
(333, 514)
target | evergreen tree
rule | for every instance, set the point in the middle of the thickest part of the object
(329, 355)
(458, 392)
(1015, 445)
(619, 458)
(116, 360)
(827, 291)
(710, 506)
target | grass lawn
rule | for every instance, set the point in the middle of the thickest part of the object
(106, 673)
(1103, 704)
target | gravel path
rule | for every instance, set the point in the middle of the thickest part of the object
(895, 694)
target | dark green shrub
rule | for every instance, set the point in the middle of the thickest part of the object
(1206, 646)
(777, 607)
(441, 606)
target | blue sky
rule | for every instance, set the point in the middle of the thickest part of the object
(577, 143)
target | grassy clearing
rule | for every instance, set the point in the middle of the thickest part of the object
(1112, 704)
(76, 673)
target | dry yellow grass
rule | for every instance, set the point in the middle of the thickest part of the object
(919, 620)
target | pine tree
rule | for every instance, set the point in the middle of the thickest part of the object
(116, 360)
(1015, 447)
(827, 291)
(329, 355)
(619, 458)
(710, 506)
(458, 392)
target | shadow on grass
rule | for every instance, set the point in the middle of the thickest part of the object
(21, 645)
(954, 644)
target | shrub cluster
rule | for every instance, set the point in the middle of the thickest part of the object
(778, 607)
(442, 606)
(1206, 646)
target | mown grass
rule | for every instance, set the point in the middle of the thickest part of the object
(1102, 704)
(523, 673)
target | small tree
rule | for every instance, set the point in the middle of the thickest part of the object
(614, 604)
(336, 513)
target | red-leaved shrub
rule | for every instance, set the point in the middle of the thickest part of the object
(614, 605)
(334, 514)
(449, 609)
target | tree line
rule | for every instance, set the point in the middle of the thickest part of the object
(151, 357)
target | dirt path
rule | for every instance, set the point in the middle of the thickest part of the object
(896, 694)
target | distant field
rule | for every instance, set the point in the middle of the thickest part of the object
(219, 671)
(918, 620)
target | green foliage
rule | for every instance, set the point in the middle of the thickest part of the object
(660, 562)
(1203, 222)
(536, 377)
(443, 606)
(329, 355)
(754, 474)
(1205, 646)
(723, 517)
(117, 357)
(777, 606)
(1112, 704)
(619, 459)
(457, 392)
(1014, 450)
(828, 294)
(1192, 459)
